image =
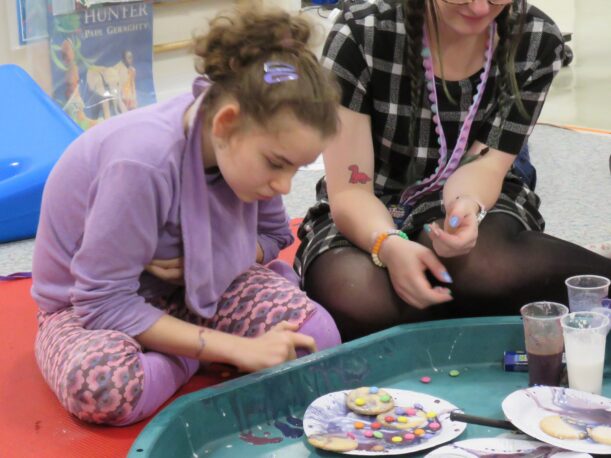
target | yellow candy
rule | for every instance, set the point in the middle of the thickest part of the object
(431, 415)
(402, 419)
(359, 401)
(396, 439)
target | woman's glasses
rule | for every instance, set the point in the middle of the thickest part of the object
(466, 2)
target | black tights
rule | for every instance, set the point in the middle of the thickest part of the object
(508, 268)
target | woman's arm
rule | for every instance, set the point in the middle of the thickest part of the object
(481, 179)
(474, 187)
(349, 174)
(361, 216)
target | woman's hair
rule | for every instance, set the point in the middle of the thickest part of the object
(510, 25)
(234, 54)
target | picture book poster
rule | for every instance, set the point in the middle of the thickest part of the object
(101, 59)
(31, 20)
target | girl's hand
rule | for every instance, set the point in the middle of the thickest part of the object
(168, 270)
(272, 348)
(459, 234)
(260, 255)
(407, 263)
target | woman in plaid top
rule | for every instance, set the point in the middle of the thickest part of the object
(439, 96)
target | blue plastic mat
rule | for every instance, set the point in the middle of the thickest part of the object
(34, 133)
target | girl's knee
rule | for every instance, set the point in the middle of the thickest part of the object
(321, 326)
(103, 387)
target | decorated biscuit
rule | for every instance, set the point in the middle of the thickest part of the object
(402, 422)
(333, 442)
(601, 434)
(555, 426)
(369, 401)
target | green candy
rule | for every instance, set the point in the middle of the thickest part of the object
(454, 373)
(385, 398)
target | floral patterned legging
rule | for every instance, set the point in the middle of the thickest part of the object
(103, 376)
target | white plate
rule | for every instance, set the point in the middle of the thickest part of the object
(328, 415)
(526, 408)
(497, 447)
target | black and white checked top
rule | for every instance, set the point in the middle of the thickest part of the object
(366, 49)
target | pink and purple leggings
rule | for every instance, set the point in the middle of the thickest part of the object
(103, 376)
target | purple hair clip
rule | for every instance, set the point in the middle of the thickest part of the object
(278, 72)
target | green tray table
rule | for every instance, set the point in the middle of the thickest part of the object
(215, 421)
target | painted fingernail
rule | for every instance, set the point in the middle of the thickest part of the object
(454, 221)
(443, 290)
(446, 277)
(427, 228)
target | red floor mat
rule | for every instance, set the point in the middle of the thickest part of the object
(32, 422)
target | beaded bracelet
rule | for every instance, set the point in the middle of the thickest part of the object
(378, 244)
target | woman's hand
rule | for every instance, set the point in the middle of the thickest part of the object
(168, 270)
(276, 346)
(407, 263)
(459, 234)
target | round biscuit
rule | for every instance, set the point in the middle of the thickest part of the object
(601, 434)
(333, 442)
(412, 422)
(373, 405)
(556, 427)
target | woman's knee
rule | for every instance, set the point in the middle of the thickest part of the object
(344, 276)
(357, 294)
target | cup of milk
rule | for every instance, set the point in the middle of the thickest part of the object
(585, 336)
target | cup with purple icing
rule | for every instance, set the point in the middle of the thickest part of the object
(544, 341)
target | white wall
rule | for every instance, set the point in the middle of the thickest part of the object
(561, 11)
(174, 71)
(588, 20)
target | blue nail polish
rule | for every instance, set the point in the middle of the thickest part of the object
(446, 277)
(427, 228)
(454, 221)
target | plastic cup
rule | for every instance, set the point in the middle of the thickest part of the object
(544, 341)
(585, 337)
(586, 292)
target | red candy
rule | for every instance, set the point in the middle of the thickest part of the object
(434, 426)
(376, 425)
(389, 419)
